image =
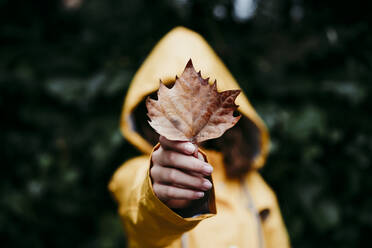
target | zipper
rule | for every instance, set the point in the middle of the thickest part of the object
(252, 208)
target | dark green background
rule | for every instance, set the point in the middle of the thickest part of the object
(305, 66)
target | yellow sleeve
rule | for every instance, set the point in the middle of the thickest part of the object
(147, 221)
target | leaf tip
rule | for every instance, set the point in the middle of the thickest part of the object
(147, 101)
(189, 64)
(206, 80)
(214, 85)
(237, 118)
(236, 93)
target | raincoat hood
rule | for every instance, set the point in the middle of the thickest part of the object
(168, 59)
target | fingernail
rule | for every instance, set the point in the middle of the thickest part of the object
(189, 147)
(199, 194)
(200, 156)
(208, 169)
(207, 184)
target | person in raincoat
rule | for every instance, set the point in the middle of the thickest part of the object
(167, 197)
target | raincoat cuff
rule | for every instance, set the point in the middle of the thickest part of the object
(168, 214)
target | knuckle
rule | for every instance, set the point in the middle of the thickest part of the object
(172, 176)
(161, 140)
(172, 156)
(189, 181)
(189, 194)
(199, 182)
(155, 156)
(196, 165)
(170, 192)
(155, 187)
(179, 146)
(153, 172)
(194, 195)
(196, 183)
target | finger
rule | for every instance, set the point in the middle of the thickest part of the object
(178, 203)
(196, 174)
(167, 192)
(181, 161)
(200, 157)
(179, 178)
(179, 146)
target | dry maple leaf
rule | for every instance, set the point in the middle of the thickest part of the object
(192, 110)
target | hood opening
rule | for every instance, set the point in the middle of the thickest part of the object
(140, 122)
(168, 59)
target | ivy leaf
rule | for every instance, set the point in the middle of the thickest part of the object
(192, 110)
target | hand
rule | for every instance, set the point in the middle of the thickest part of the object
(177, 176)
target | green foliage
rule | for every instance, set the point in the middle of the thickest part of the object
(64, 73)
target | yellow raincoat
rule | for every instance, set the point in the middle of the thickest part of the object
(242, 213)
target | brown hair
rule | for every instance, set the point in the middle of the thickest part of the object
(239, 145)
